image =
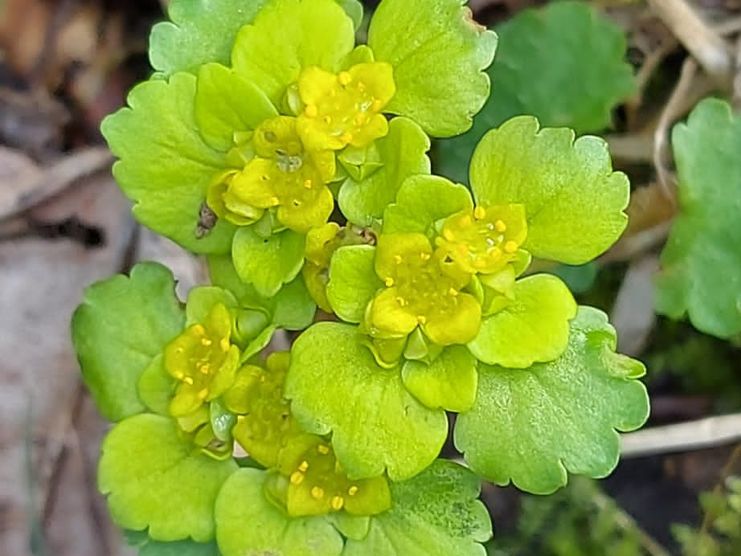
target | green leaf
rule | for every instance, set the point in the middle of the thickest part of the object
(573, 200)
(335, 385)
(201, 301)
(165, 166)
(267, 263)
(581, 74)
(149, 547)
(402, 154)
(199, 31)
(250, 524)
(226, 103)
(352, 281)
(438, 54)
(448, 382)
(532, 328)
(422, 201)
(122, 324)
(435, 513)
(292, 308)
(154, 478)
(532, 426)
(699, 275)
(288, 36)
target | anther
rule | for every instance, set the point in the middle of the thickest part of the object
(274, 201)
(377, 105)
(205, 342)
(188, 380)
(307, 184)
(361, 86)
(401, 301)
(479, 213)
(224, 344)
(421, 319)
(338, 502)
(311, 111)
(352, 491)
(425, 256)
(317, 492)
(344, 78)
(448, 234)
(346, 137)
(198, 329)
(205, 369)
(500, 226)
(389, 282)
(203, 394)
(322, 449)
(359, 119)
(327, 119)
(297, 478)
(397, 259)
(304, 466)
(510, 246)
(453, 292)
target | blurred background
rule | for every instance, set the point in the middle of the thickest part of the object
(65, 64)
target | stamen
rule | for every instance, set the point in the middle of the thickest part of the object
(224, 343)
(205, 342)
(344, 78)
(317, 492)
(327, 119)
(304, 466)
(322, 449)
(510, 246)
(479, 213)
(311, 111)
(338, 502)
(397, 259)
(352, 491)
(453, 292)
(421, 319)
(425, 256)
(346, 137)
(500, 226)
(205, 369)
(389, 282)
(297, 478)
(307, 184)
(274, 200)
(198, 329)
(188, 380)
(203, 394)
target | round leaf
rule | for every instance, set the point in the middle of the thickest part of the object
(288, 36)
(436, 512)
(438, 54)
(165, 166)
(422, 201)
(267, 262)
(532, 426)
(121, 326)
(402, 154)
(250, 524)
(448, 382)
(226, 103)
(335, 385)
(701, 261)
(200, 31)
(352, 281)
(532, 328)
(154, 478)
(573, 200)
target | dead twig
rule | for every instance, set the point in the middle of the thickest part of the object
(668, 116)
(705, 45)
(55, 179)
(682, 437)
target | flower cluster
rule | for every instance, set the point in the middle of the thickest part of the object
(297, 162)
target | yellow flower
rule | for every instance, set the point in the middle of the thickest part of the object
(203, 361)
(282, 175)
(312, 482)
(484, 240)
(346, 108)
(422, 289)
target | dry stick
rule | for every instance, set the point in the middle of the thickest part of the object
(668, 115)
(682, 437)
(709, 49)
